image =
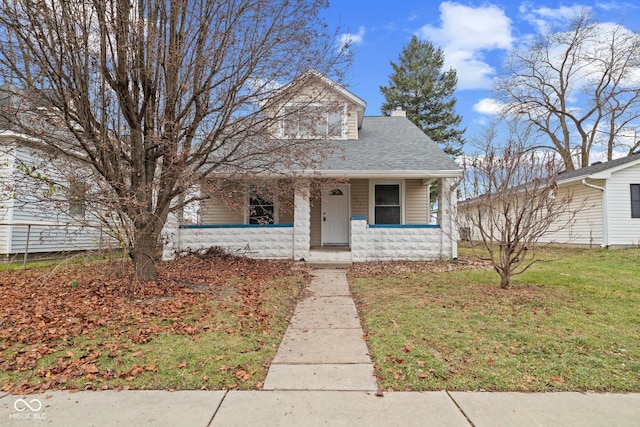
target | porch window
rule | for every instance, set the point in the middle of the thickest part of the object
(387, 204)
(261, 211)
(635, 200)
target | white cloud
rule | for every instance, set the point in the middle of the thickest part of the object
(350, 39)
(625, 6)
(488, 106)
(544, 19)
(472, 28)
(465, 34)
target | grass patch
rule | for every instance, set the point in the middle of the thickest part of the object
(569, 325)
(89, 257)
(205, 324)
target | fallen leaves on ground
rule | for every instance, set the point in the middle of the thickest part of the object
(43, 311)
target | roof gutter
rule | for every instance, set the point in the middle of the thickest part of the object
(381, 173)
(605, 221)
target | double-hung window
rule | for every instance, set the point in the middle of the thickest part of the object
(386, 209)
(261, 210)
(313, 122)
(635, 200)
(77, 194)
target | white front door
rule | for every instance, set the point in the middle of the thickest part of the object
(335, 215)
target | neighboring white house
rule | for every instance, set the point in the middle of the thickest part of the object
(611, 217)
(379, 210)
(30, 224)
(608, 197)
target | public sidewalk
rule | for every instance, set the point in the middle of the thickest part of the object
(321, 376)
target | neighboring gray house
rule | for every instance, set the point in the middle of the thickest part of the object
(380, 210)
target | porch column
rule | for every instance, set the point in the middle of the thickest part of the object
(301, 220)
(454, 217)
(171, 237)
(447, 207)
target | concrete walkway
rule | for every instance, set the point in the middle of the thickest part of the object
(323, 348)
(321, 376)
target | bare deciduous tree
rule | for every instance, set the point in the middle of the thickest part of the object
(579, 88)
(152, 97)
(510, 200)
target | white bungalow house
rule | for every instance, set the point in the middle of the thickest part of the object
(606, 196)
(377, 209)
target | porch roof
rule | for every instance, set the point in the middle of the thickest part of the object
(389, 146)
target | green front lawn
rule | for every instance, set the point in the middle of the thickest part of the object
(572, 324)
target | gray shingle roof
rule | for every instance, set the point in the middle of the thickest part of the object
(597, 167)
(389, 144)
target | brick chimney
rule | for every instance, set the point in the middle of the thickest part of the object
(399, 112)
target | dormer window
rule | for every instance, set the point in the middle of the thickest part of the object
(314, 122)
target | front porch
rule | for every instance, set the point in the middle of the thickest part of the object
(305, 237)
(367, 243)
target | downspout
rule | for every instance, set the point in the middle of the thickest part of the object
(605, 221)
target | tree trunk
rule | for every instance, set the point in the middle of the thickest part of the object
(143, 254)
(505, 281)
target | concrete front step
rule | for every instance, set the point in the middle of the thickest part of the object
(329, 255)
(330, 264)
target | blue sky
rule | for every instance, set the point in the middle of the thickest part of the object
(475, 36)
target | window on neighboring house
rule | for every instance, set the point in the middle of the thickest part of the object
(387, 204)
(261, 210)
(77, 198)
(313, 122)
(635, 200)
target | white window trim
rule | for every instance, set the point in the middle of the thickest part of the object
(372, 197)
(276, 209)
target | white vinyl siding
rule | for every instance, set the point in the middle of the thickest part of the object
(635, 200)
(51, 229)
(623, 230)
(6, 202)
(587, 227)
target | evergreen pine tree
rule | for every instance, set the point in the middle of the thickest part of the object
(420, 87)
